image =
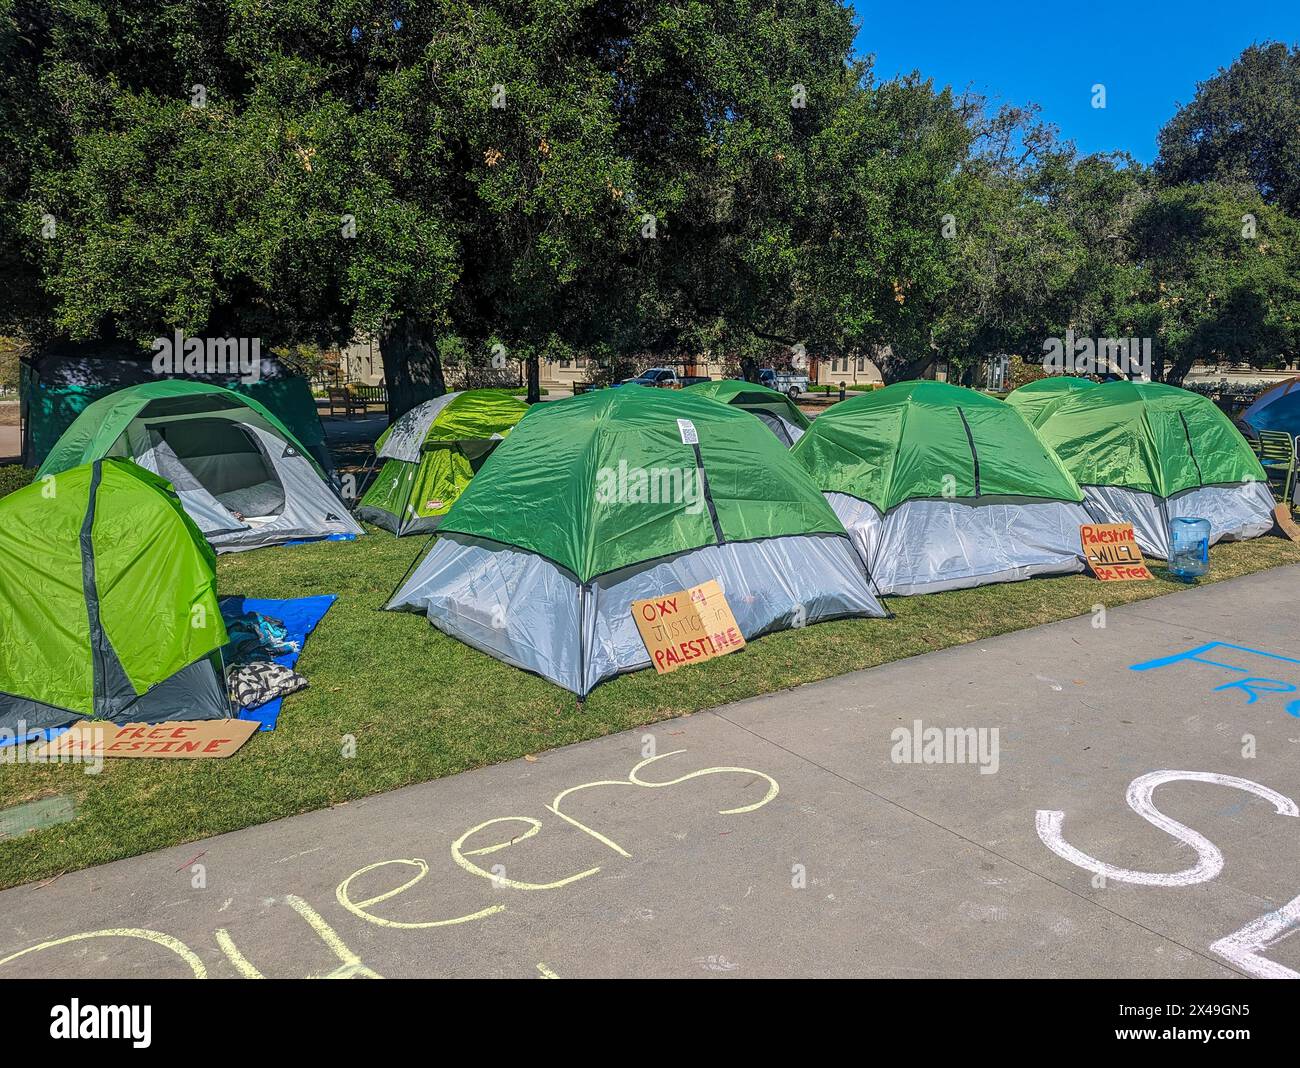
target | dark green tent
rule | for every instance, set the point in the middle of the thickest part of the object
(780, 414)
(1145, 453)
(58, 384)
(626, 494)
(941, 487)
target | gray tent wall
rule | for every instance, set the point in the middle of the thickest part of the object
(1236, 512)
(527, 611)
(931, 545)
(268, 480)
(786, 431)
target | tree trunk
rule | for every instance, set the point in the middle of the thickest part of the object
(534, 380)
(412, 369)
(901, 367)
(749, 368)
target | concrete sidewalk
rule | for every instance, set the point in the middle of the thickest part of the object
(787, 836)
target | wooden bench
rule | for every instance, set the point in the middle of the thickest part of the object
(342, 397)
(371, 394)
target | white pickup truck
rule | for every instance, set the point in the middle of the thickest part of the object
(791, 383)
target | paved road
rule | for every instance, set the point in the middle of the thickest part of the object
(785, 836)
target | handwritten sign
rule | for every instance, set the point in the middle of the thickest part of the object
(1112, 552)
(181, 740)
(687, 627)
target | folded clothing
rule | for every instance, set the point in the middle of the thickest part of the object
(259, 681)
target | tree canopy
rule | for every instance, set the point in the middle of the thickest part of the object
(618, 179)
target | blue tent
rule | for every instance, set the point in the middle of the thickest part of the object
(1276, 409)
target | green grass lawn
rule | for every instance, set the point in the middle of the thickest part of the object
(421, 705)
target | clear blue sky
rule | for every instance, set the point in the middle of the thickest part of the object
(1149, 54)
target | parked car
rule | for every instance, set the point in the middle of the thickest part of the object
(788, 382)
(663, 378)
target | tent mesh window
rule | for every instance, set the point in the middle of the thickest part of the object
(228, 462)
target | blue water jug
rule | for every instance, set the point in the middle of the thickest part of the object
(1189, 547)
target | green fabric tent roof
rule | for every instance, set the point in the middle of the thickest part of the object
(728, 390)
(93, 432)
(472, 415)
(570, 482)
(1148, 436)
(929, 439)
(106, 582)
(1036, 400)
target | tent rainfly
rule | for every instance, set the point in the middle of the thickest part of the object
(781, 415)
(1145, 453)
(942, 488)
(621, 495)
(108, 604)
(431, 453)
(1277, 408)
(1037, 400)
(242, 476)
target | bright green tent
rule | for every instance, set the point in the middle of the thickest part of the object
(620, 495)
(430, 455)
(781, 415)
(1146, 453)
(1037, 400)
(108, 604)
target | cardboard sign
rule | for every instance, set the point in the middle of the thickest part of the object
(180, 740)
(1112, 552)
(687, 627)
(1287, 525)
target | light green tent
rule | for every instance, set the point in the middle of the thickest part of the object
(941, 487)
(781, 415)
(1036, 400)
(430, 455)
(1145, 453)
(627, 494)
(108, 604)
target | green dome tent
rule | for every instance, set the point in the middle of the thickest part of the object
(1145, 453)
(781, 415)
(64, 378)
(625, 494)
(240, 473)
(431, 453)
(942, 488)
(108, 603)
(1037, 400)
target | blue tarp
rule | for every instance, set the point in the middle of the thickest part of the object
(299, 616)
